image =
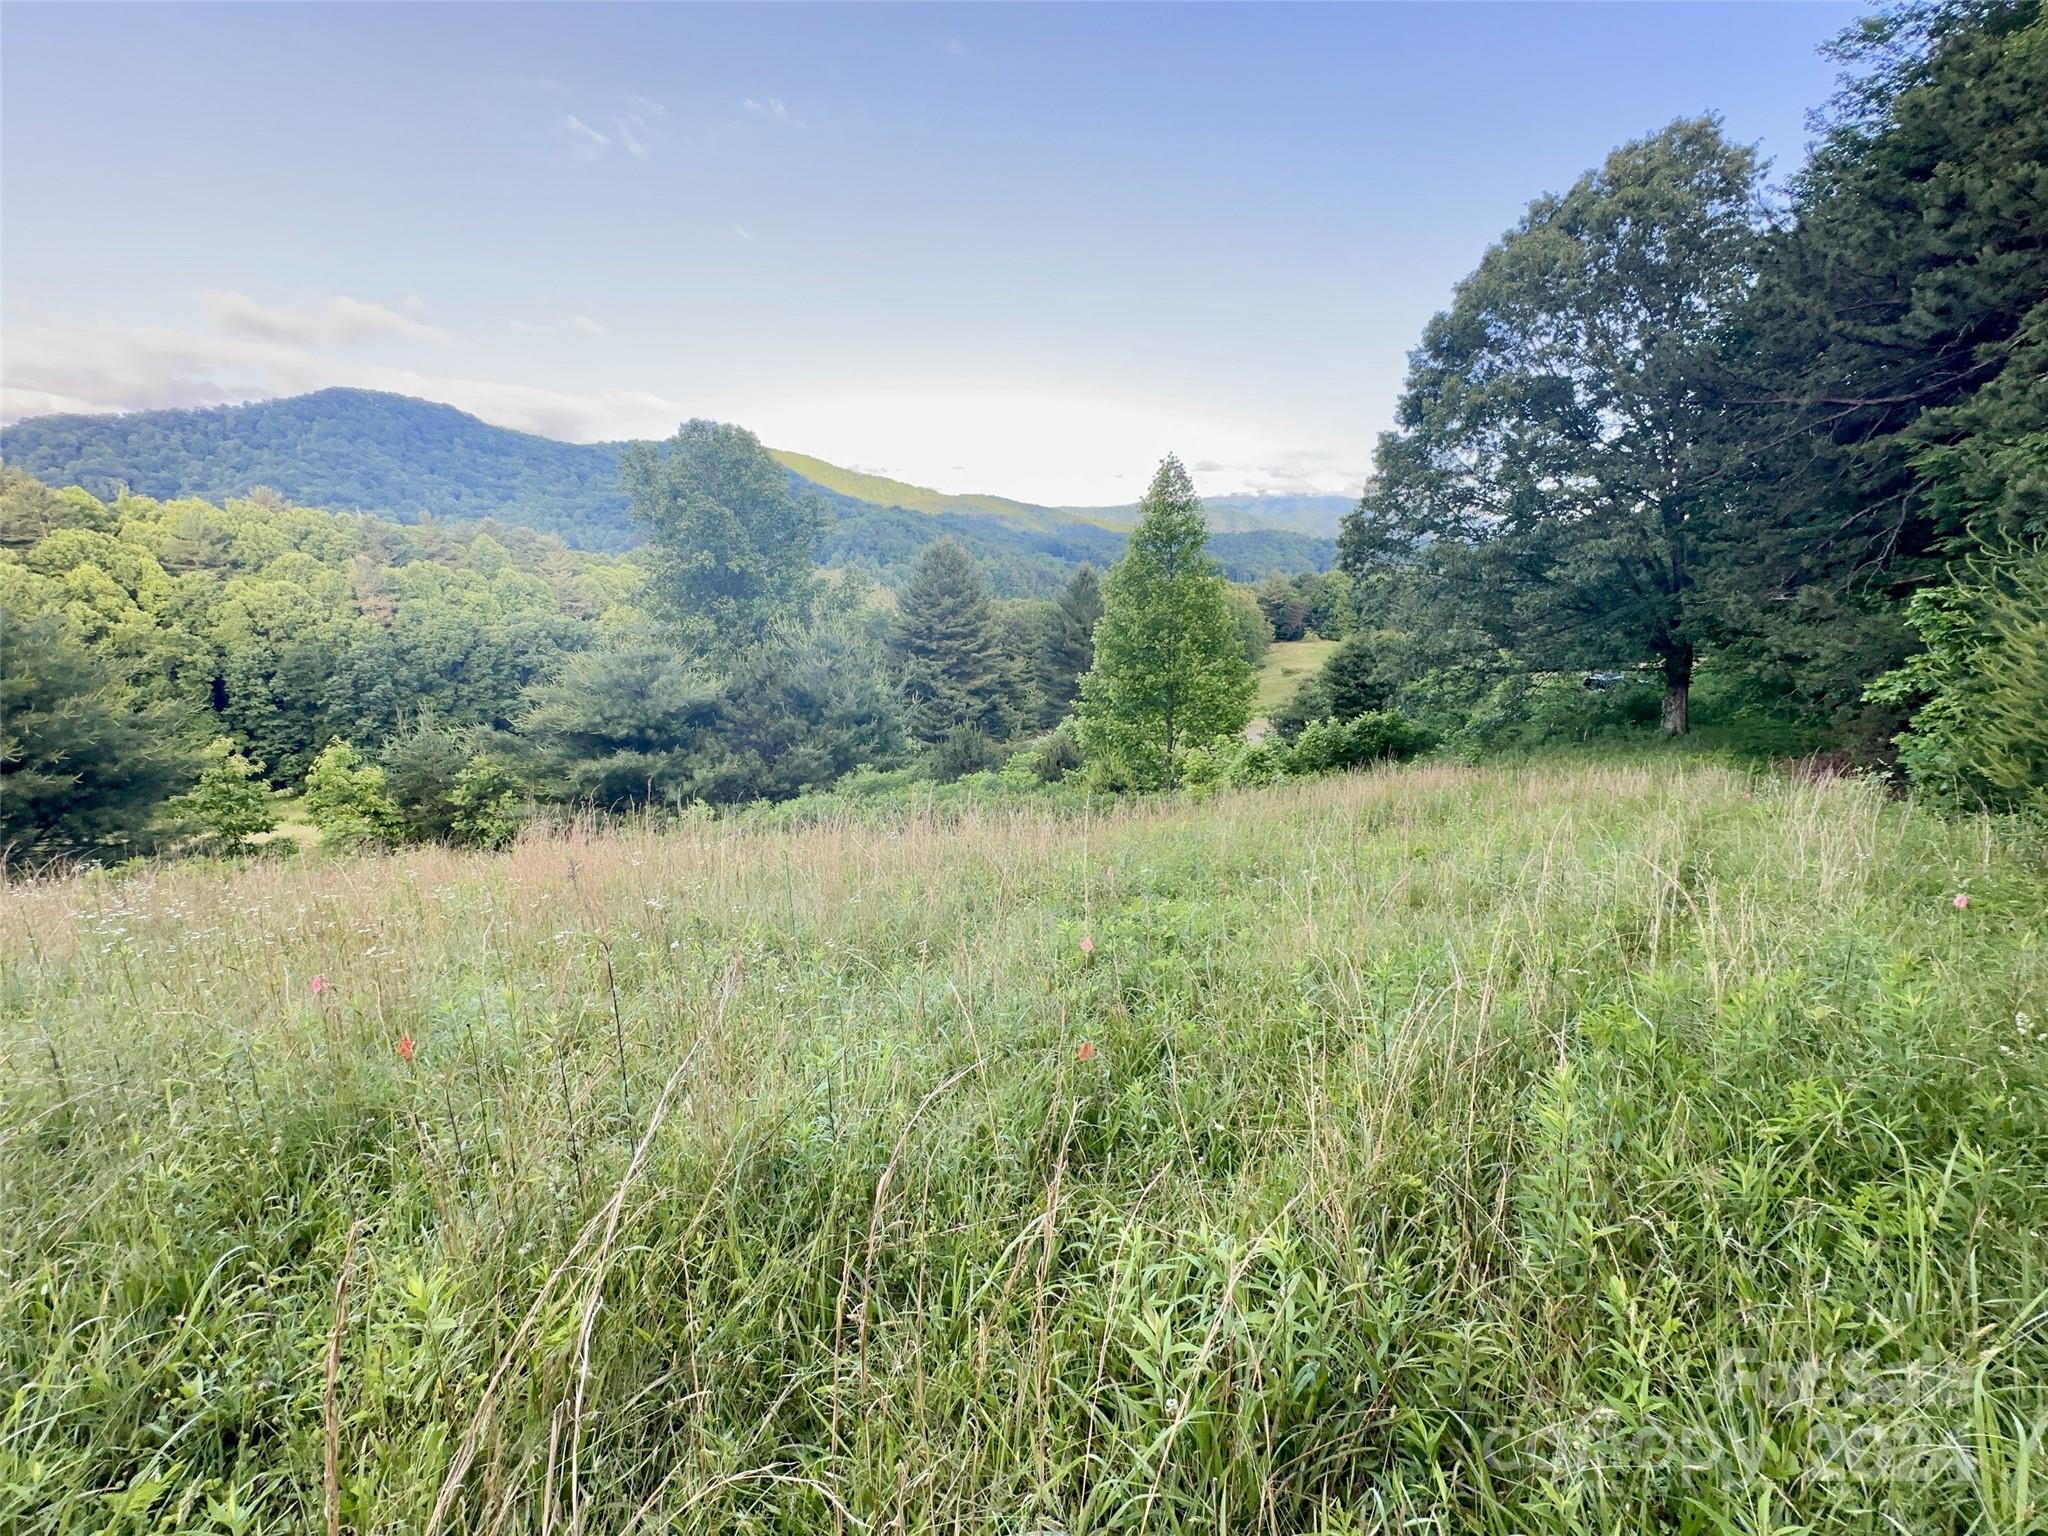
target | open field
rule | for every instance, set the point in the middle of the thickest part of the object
(1570, 1149)
(1288, 664)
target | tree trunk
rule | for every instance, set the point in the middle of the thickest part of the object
(1678, 693)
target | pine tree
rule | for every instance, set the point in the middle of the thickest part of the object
(1169, 672)
(955, 671)
(1067, 646)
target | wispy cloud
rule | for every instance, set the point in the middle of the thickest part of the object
(341, 318)
(956, 48)
(576, 322)
(743, 232)
(647, 104)
(770, 106)
(584, 141)
(629, 131)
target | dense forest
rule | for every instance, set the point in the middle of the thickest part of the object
(1683, 450)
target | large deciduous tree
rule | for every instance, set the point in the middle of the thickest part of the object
(734, 542)
(1169, 672)
(1552, 437)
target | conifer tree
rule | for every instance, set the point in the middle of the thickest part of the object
(1169, 672)
(955, 670)
(1067, 647)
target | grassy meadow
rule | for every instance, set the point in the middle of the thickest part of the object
(1288, 664)
(1574, 1148)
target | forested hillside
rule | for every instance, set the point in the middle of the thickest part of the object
(359, 451)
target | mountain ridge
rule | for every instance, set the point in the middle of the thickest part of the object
(358, 450)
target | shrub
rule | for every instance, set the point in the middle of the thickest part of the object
(1382, 735)
(348, 801)
(486, 805)
(230, 804)
(1980, 687)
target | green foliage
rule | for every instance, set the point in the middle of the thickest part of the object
(347, 800)
(639, 725)
(350, 449)
(230, 804)
(1979, 689)
(1169, 670)
(485, 804)
(84, 771)
(421, 764)
(958, 677)
(1381, 735)
(734, 544)
(1554, 428)
(1067, 644)
(1254, 633)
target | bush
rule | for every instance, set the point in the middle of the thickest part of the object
(486, 805)
(1384, 735)
(347, 800)
(229, 805)
(1981, 688)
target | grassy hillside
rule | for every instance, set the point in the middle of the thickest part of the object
(1288, 664)
(1588, 1149)
(881, 491)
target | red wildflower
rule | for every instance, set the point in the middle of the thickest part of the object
(1085, 1051)
(405, 1047)
(319, 985)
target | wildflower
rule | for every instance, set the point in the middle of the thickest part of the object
(405, 1048)
(1085, 1051)
(319, 985)
(1087, 945)
(1962, 901)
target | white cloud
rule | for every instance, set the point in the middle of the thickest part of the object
(743, 232)
(629, 130)
(339, 318)
(117, 368)
(584, 141)
(647, 104)
(771, 107)
(586, 325)
(956, 48)
(576, 322)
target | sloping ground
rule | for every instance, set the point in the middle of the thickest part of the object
(1621, 1148)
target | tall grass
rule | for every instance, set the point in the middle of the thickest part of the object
(1545, 1150)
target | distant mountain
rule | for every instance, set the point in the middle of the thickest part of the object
(361, 451)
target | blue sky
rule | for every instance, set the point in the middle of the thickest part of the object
(1023, 249)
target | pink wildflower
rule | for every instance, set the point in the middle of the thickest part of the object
(1962, 902)
(1087, 945)
(319, 985)
(1085, 1051)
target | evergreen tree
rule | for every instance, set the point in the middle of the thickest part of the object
(1169, 672)
(956, 672)
(1067, 644)
(83, 772)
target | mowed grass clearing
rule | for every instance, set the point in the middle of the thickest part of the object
(1580, 1148)
(1288, 664)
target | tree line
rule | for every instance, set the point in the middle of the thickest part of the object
(171, 666)
(1681, 424)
